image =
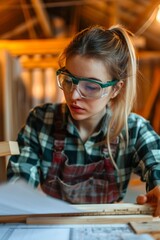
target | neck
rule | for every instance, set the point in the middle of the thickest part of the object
(89, 126)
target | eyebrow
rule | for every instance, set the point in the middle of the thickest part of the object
(92, 78)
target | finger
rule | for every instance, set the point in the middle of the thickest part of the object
(150, 193)
(157, 211)
(141, 199)
(151, 198)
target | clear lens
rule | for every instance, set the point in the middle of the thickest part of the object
(65, 82)
(88, 89)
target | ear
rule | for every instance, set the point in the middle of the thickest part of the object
(116, 89)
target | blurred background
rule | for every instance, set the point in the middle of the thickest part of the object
(34, 32)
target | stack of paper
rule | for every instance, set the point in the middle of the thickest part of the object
(20, 198)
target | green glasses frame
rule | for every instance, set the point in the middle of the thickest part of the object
(76, 80)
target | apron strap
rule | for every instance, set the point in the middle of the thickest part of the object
(60, 127)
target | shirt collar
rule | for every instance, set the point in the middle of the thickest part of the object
(102, 126)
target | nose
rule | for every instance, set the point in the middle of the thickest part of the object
(74, 94)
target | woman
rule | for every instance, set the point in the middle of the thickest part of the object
(84, 151)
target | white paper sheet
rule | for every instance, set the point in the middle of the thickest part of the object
(25, 232)
(70, 232)
(20, 198)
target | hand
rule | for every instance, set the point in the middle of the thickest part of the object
(153, 198)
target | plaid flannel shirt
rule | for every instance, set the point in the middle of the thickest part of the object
(141, 156)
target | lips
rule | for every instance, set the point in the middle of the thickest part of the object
(76, 108)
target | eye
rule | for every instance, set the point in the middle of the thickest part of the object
(92, 87)
(67, 79)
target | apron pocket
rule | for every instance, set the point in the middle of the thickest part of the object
(89, 191)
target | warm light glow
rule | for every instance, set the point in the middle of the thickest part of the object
(158, 14)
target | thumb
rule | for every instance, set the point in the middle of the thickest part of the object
(141, 199)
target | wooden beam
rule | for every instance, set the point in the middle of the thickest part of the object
(42, 17)
(148, 56)
(3, 161)
(43, 63)
(155, 89)
(75, 19)
(54, 47)
(31, 47)
(20, 29)
(144, 16)
(27, 16)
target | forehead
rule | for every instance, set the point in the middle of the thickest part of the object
(82, 66)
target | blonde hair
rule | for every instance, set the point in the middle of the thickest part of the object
(114, 47)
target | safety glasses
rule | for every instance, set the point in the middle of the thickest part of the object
(86, 87)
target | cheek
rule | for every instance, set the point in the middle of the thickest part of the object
(66, 95)
(104, 100)
(96, 105)
(109, 92)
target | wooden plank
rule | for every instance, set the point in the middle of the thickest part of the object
(88, 219)
(9, 148)
(53, 219)
(146, 227)
(88, 213)
(116, 208)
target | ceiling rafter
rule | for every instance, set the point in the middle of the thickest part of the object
(19, 29)
(27, 16)
(43, 18)
(64, 18)
(144, 16)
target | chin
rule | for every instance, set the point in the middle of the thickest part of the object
(78, 116)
